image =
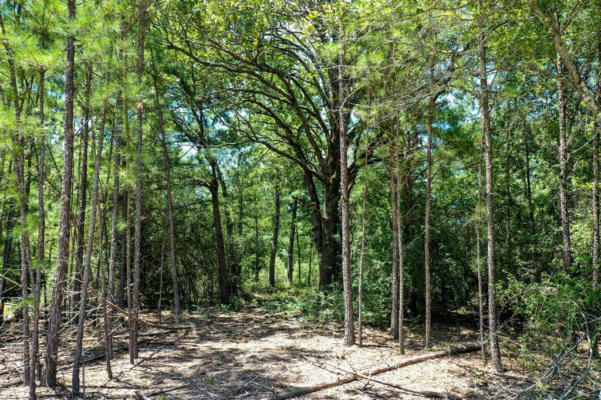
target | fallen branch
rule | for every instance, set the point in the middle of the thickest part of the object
(19, 381)
(461, 349)
(424, 393)
(140, 396)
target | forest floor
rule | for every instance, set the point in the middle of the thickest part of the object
(254, 354)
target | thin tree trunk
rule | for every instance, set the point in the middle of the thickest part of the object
(349, 325)
(128, 268)
(486, 132)
(291, 243)
(597, 133)
(225, 293)
(138, 220)
(10, 222)
(401, 265)
(394, 313)
(479, 259)
(167, 165)
(114, 231)
(88, 260)
(103, 284)
(2, 224)
(83, 186)
(35, 341)
(427, 224)
(128, 271)
(19, 145)
(65, 222)
(595, 247)
(160, 302)
(257, 265)
(310, 264)
(276, 231)
(361, 263)
(563, 147)
(298, 256)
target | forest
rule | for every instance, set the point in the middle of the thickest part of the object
(318, 199)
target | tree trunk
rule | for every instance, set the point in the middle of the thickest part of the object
(65, 222)
(427, 223)
(310, 265)
(225, 292)
(394, 311)
(128, 271)
(349, 325)
(19, 146)
(83, 186)
(35, 367)
(77, 358)
(479, 258)
(331, 246)
(401, 266)
(10, 222)
(484, 99)
(276, 231)
(114, 231)
(103, 284)
(138, 220)
(257, 263)
(595, 247)
(291, 243)
(325, 225)
(597, 133)
(298, 256)
(167, 166)
(361, 263)
(563, 147)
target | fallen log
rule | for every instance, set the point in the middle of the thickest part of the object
(424, 393)
(459, 349)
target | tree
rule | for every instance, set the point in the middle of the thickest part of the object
(138, 221)
(349, 325)
(169, 206)
(65, 222)
(276, 231)
(225, 289)
(361, 264)
(290, 263)
(495, 353)
(88, 259)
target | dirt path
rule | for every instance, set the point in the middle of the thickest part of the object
(253, 354)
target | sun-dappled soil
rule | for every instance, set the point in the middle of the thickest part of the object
(254, 354)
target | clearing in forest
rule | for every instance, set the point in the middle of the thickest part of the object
(257, 354)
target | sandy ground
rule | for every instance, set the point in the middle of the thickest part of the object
(253, 354)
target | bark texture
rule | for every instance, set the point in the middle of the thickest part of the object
(347, 283)
(88, 259)
(427, 223)
(563, 148)
(495, 353)
(64, 220)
